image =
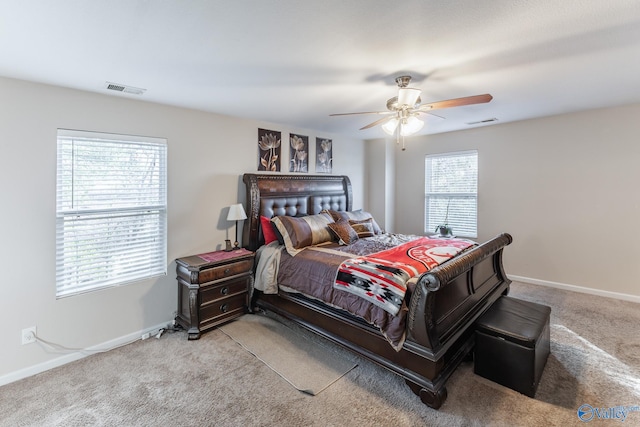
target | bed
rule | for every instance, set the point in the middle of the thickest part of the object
(440, 307)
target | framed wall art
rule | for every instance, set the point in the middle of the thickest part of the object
(324, 155)
(298, 153)
(269, 148)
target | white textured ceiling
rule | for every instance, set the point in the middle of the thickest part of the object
(296, 61)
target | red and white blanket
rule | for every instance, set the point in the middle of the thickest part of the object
(381, 278)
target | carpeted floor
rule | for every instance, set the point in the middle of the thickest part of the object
(595, 360)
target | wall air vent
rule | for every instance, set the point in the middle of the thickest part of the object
(479, 122)
(126, 89)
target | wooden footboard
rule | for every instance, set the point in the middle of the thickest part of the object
(455, 293)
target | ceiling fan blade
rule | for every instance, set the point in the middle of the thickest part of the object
(457, 102)
(365, 112)
(431, 114)
(377, 122)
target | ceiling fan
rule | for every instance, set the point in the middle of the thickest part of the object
(404, 109)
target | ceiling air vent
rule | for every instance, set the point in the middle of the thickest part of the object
(483, 121)
(126, 89)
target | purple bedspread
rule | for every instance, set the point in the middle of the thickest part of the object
(312, 272)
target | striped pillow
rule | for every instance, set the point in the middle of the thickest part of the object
(300, 232)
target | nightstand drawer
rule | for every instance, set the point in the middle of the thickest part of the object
(226, 270)
(224, 290)
(216, 311)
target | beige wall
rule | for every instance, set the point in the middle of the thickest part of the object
(565, 187)
(380, 173)
(207, 155)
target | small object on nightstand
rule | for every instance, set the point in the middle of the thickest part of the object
(227, 245)
(212, 289)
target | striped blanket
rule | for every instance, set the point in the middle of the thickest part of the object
(382, 277)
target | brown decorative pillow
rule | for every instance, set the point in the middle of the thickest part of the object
(364, 228)
(300, 232)
(344, 232)
(355, 215)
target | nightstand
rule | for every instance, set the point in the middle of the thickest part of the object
(212, 289)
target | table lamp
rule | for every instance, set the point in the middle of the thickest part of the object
(236, 213)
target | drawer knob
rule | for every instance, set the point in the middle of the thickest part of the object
(224, 308)
(224, 291)
(227, 271)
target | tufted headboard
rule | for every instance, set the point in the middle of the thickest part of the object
(293, 195)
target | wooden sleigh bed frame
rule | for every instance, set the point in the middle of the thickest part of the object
(442, 310)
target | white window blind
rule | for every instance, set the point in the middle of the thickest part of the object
(451, 192)
(111, 210)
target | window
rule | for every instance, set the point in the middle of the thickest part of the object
(111, 210)
(451, 192)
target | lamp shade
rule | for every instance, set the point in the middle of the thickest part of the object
(411, 126)
(390, 127)
(236, 213)
(408, 96)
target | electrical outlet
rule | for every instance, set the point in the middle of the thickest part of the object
(29, 335)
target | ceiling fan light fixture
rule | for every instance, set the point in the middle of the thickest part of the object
(390, 126)
(408, 96)
(401, 120)
(411, 126)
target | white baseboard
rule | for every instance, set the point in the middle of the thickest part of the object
(77, 355)
(574, 288)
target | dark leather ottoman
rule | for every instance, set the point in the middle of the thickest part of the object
(512, 344)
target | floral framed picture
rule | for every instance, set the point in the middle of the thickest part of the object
(324, 155)
(299, 153)
(269, 150)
